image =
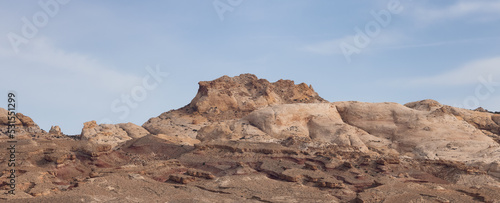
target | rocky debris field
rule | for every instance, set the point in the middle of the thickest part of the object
(244, 139)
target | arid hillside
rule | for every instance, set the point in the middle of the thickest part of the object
(245, 139)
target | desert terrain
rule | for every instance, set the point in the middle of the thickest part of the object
(245, 139)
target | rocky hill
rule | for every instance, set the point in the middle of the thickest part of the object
(244, 139)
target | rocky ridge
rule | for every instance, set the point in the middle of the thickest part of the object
(244, 139)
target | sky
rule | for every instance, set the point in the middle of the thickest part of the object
(73, 61)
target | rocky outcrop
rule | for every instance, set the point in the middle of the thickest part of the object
(177, 123)
(26, 127)
(103, 133)
(482, 120)
(111, 134)
(233, 97)
(423, 134)
(251, 109)
(424, 105)
(228, 98)
(319, 122)
(427, 134)
(55, 131)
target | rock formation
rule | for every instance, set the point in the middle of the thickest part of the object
(25, 126)
(111, 134)
(244, 139)
(226, 99)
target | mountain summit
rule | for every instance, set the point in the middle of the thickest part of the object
(235, 97)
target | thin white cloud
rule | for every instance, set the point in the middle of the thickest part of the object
(332, 47)
(481, 10)
(470, 73)
(59, 87)
(43, 57)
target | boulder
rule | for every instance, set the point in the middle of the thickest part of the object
(424, 105)
(104, 133)
(55, 130)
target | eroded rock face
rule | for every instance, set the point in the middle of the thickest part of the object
(422, 134)
(320, 122)
(426, 134)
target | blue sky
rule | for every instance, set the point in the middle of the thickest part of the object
(86, 55)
